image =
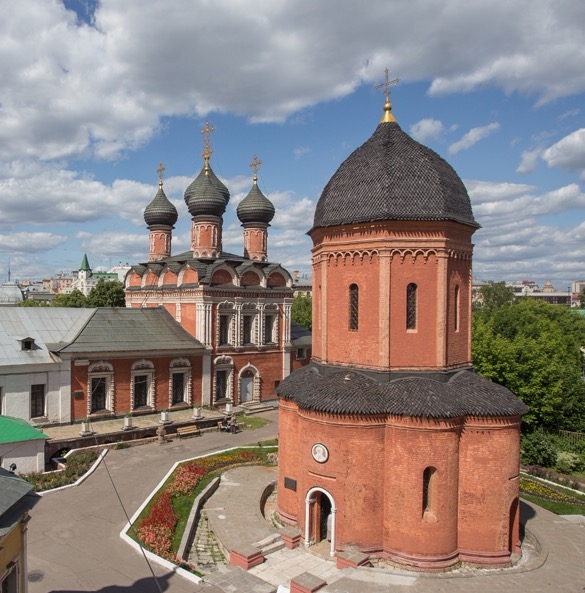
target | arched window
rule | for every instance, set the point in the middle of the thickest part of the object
(354, 298)
(411, 290)
(428, 486)
(457, 306)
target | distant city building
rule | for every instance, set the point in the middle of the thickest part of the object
(302, 284)
(10, 294)
(85, 279)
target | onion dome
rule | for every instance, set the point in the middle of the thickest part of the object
(393, 177)
(195, 185)
(206, 200)
(160, 210)
(255, 207)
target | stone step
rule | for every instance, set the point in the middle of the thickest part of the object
(255, 408)
(279, 545)
(274, 537)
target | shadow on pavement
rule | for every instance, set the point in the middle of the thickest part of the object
(146, 585)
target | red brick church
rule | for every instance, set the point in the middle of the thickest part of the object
(390, 443)
(237, 306)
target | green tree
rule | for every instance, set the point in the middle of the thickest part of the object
(533, 349)
(302, 311)
(582, 299)
(74, 299)
(107, 294)
(492, 295)
(33, 303)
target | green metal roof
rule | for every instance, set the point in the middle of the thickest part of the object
(14, 430)
(132, 330)
(85, 263)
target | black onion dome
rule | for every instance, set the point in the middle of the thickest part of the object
(206, 200)
(353, 393)
(195, 185)
(393, 177)
(255, 207)
(160, 210)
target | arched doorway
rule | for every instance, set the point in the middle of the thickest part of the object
(514, 528)
(320, 514)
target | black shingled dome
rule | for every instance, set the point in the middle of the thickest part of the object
(160, 210)
(393, 177)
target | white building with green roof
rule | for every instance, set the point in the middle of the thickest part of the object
(22, 445)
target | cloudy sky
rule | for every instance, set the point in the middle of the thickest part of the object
(95, 95)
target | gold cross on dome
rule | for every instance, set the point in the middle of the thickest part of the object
(207, 150)
(160, 171)
(386, 84)
(256, 162)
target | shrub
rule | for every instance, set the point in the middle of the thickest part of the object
(537, 448)
(568, 462)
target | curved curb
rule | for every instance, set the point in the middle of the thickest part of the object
(150, 555)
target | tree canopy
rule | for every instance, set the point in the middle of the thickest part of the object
(107, 294)
(302, 311)
(534, 349)
(103, 294)
(492, 295)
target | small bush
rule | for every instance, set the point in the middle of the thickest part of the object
(568, 462)
(537, 448)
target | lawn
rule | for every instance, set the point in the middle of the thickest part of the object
(553, 498)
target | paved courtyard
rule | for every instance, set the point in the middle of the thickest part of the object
(74, 542)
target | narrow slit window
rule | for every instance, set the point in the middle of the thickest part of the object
(411, 291)
(457, 306)
(353, 307)
(427, 490)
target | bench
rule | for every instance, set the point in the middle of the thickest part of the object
(188, 431)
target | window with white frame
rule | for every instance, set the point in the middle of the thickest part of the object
(223, 378)
(100, 386)
(180, 381)
(225, 324)
(301, 353)
(142, 384)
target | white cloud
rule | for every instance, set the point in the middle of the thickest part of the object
(529, 161)
(427, 129)
(568, 153)
(473, 137)
(24, 242)
(71, 89)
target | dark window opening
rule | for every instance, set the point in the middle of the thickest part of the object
(269, 329)
(224, 328)
(411, 290)
(98, 394)
(178, 388)
(140, 390)
(353, 307)
(247, 329)
(221, 384)
(456, 312)
(37, 401)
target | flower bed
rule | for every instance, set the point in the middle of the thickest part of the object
(160, 526)
(77, 465)
(543, 491)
